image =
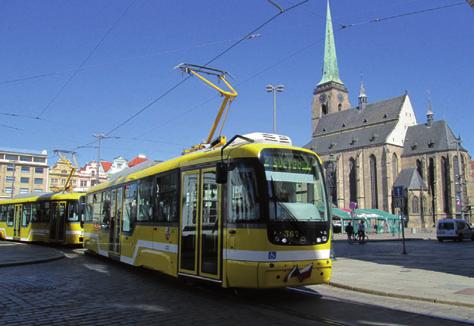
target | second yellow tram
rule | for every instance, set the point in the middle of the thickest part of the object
(44, 217)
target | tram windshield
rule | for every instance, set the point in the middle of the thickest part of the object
(295, 186)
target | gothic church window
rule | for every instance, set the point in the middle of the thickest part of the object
(325, 108)
(415, 205)
(445, 183)
(373, 181)
(352, 180)
(394, 167)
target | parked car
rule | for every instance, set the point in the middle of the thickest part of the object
(453, 229)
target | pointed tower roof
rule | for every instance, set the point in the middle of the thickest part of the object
(330, 70)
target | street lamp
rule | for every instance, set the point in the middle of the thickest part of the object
(274, 89)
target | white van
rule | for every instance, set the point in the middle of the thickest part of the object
(453, 229)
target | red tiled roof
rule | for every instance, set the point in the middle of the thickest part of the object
(106, 165)
(137, 160)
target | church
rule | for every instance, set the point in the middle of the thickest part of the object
(370, 149)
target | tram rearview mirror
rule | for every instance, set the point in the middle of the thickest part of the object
(221, 172)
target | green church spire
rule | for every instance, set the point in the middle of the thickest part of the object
(330, 70)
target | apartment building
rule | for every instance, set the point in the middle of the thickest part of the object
(22, 171)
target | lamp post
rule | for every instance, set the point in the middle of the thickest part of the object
(99, 137)
(274, 89)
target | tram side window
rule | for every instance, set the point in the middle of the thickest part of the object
(243, 192)
(106, 207)
(89, 208)
(3, 213)
(166, 202)
(145, 207)
(35, 211)
(130, 212)
(73, 211)
(45, 212)
(97, 207)
(11, 215)
(26, 215)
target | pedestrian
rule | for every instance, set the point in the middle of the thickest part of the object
(361, 231)
(349, 231)
(375, 228)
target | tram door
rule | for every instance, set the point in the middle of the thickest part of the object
(200, 235)
(17, 222)
(57, 221)
(116, 217)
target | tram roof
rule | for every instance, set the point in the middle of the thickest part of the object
(41, 196)
(246, 150)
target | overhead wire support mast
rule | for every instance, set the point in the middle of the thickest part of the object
(229, 96)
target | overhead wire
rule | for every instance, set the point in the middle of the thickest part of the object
(193, 108)
(83, 62)
(411, 13)
(171, 89)
(98, 65)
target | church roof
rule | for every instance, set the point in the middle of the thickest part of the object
(426, 139)
(410, 179)
(356, 128)
(330, 68)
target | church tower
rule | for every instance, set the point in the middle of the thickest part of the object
(330, 95)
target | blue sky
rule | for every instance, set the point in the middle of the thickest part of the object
(48, 40)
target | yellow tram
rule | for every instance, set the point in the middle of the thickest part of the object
(46, 217)
(253, 214)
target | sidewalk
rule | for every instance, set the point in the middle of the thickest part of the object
(16, 253)
(392, 237)
(431, 271)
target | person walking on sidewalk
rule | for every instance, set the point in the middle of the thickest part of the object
(361, 231)
(349, 231)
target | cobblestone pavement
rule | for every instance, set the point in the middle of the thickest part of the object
(88, 290)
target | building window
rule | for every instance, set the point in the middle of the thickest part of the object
(373, 181)
(10, 167)
(83, 183)
(394, 167)
(352, 180)
(445, 183)
(431, 188)
(24, 190)
(25, 169)
(24, 180)
(25, 158)
(54, 181)
(325, 109)
(9, 178)
(39, 159)
(8, 190)
(39, 170)
(331, 181)
(38, 190)
(415, 209)
(11, 157)
(38, 181)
